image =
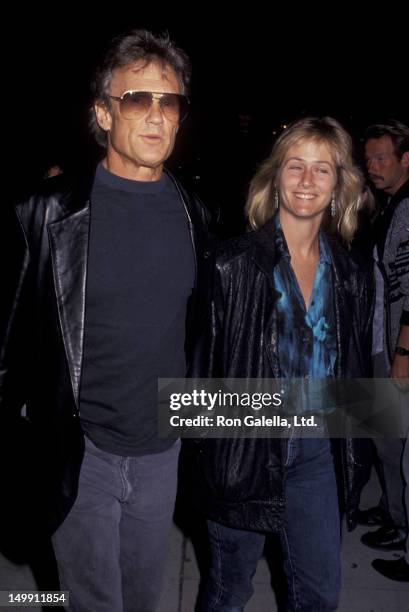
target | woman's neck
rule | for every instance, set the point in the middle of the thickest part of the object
(301, 235)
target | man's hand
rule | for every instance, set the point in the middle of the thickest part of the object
(400, 372)
(400, 363)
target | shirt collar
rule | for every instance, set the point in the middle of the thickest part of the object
(282, 248)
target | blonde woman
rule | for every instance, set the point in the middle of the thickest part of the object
(288, 301)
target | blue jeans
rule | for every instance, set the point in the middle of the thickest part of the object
(310, 539)
(111, 548)
(390, 450)
(405, 469)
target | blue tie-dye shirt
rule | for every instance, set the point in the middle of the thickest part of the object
(306, 336)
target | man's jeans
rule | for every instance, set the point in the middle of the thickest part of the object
(390, 450)
(405, 469)
(111, 549)
(310, 539)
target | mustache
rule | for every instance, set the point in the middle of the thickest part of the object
(375, 176)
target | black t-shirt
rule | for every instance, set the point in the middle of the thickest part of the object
(140, 275)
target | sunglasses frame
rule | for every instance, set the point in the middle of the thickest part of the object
(155, 95)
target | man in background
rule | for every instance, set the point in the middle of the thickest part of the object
(387, 161)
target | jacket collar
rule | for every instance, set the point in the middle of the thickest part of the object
(384, 218)
(77, 196)
(69, 240)
(266, 256)
(401, 194)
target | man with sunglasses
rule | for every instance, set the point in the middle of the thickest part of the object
(103, 275)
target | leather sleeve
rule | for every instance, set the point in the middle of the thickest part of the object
(15, 315)
(367, 313)
(207, 353)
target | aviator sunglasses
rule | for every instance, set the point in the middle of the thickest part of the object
(136, 104)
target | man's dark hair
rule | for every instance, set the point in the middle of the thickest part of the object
(126, 49)
(398, 132)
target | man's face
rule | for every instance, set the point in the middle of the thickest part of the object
(385, 170)
(138, 147)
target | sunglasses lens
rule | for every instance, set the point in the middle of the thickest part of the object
(135, 104)
(169, 104)
(174, 107)
(183, 107)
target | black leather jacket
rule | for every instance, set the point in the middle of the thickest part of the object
(239, 482)
(42, 328)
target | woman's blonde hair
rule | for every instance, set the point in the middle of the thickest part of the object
(260, 204)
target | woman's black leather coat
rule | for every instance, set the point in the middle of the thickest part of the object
(240, 482)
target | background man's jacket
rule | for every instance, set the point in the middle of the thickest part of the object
(392, 243)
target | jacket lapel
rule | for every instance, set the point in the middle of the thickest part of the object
(265, 257)
(69, 255)
(345, 291)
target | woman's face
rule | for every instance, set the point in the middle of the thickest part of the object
(307, 180)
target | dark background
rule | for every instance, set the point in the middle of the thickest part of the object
(252, 73)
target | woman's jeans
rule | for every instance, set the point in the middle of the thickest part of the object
(310, 539)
